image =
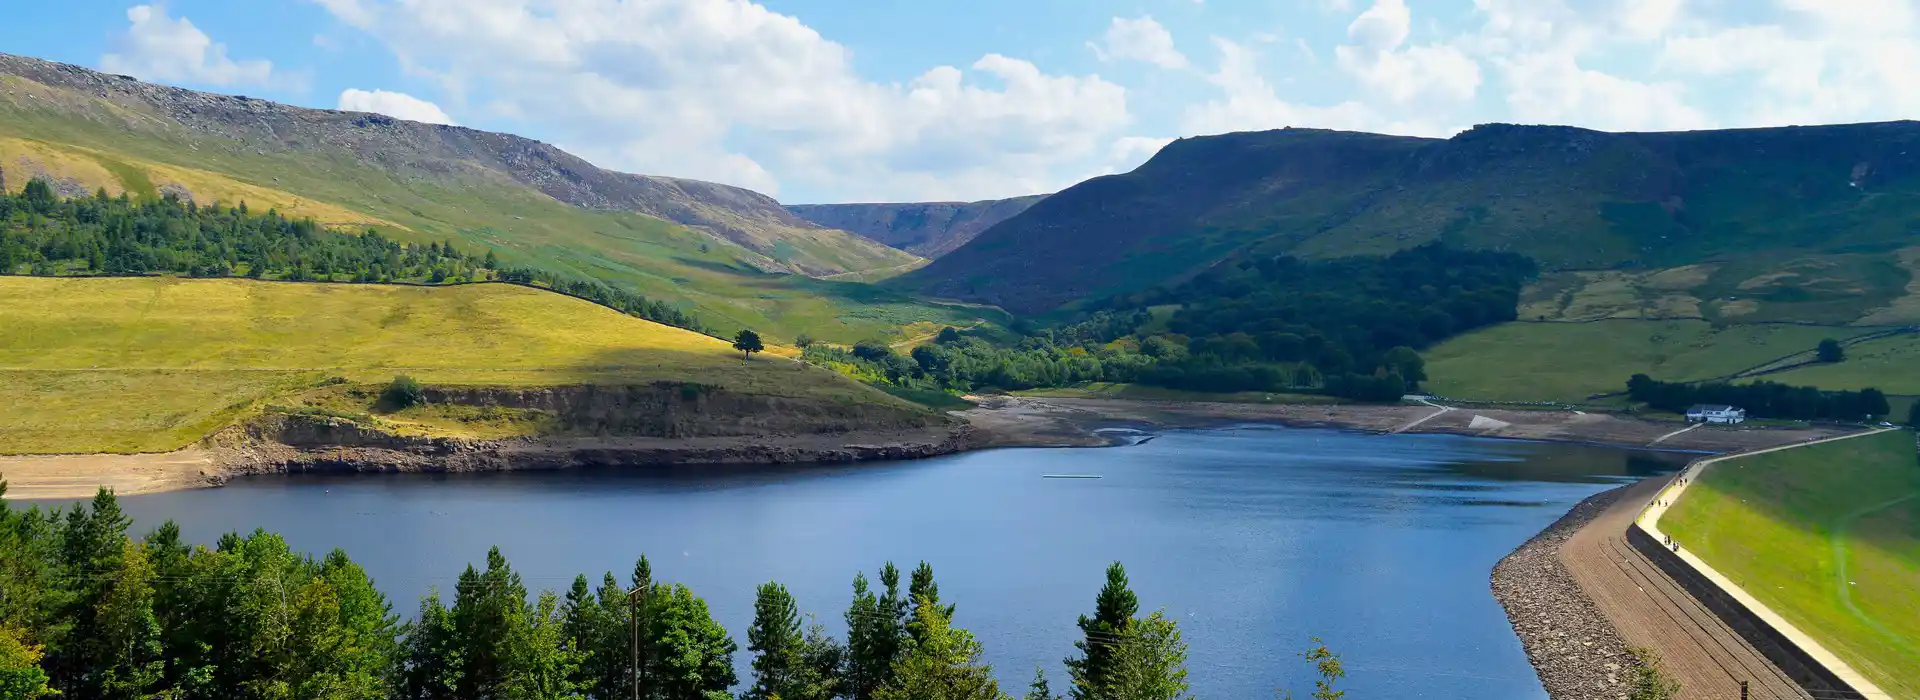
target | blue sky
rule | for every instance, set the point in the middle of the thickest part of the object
(845, 100)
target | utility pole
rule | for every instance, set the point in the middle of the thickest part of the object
(634, 600)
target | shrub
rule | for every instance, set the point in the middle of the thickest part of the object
(403, 392)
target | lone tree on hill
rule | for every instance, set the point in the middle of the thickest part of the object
(1830, 351)
(403, 392)
(748, 342)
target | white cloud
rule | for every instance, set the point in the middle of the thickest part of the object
(157, 47)
(398, 105)
(1140, 39)
(1249, 103)
(731, 91)
(1414, 74)
(1552, 88)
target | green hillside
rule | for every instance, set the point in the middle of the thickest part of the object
(1829, 537)
(1570, 361)
(1793, 223)
(719, 253)
(150, 364)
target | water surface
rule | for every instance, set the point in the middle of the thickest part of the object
(1254, 538)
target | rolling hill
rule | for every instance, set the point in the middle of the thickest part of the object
(1790, 223)
(929, 229)
(152, 364)
(723, 253)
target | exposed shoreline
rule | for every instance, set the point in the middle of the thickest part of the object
(1574, 649)
(998, 422)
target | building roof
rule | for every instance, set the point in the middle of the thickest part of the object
(1711, 408)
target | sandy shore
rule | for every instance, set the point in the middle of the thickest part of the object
(999, 421)
(80, 476)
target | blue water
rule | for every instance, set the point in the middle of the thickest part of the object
(1254, 538)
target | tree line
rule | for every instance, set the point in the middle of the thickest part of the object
(1761, 399)
(46, 235)
(86, 611)
(1349, 327)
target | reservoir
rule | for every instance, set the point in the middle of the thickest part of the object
(1254, 538)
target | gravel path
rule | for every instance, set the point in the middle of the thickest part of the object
(1651, 611)
(1574, 649)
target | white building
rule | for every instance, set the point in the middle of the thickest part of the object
(1723, 415)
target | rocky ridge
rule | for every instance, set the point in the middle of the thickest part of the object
(454, 155)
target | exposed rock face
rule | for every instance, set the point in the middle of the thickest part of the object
(658, 424)
(927, 229)
(687, 410)
(452, 155)
(1577, 652)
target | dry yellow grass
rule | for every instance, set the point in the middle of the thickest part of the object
(152, 363)
(25, 159)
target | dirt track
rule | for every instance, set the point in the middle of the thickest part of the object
(1653, 612)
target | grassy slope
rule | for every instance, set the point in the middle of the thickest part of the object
(1569, 361)
(1890, 364)
(1799, 223)
(107, 145)
(151, 364)
(1810, 532)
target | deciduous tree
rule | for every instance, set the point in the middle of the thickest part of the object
(748, 343)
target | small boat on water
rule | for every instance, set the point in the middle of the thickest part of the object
(1069, 476)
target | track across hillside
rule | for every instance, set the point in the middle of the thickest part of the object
(1652, 611)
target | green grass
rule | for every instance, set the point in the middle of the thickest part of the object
(937, 400)
(1889, 364)
(1570, 361)
(150, 364)
(1829, 537)
(701, 273)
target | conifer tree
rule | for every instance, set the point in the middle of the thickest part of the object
(432, 654)
(1114, 608)
(943, 663)
(1039, 689)
(776, 641)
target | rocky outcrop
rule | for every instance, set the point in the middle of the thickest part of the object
(1577, 652)
(682, 410)
(278, 444)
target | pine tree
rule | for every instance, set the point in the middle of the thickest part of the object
(1039, 689)
(541, 662)
(876, 633)
(125, 655)
(691, 656)
(580, 615)
(431, 656)
(776, 641)
(942, 664)
(1114, 609)
(488, 609)
(610, 664)
(922, 588)
(1150, 662)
